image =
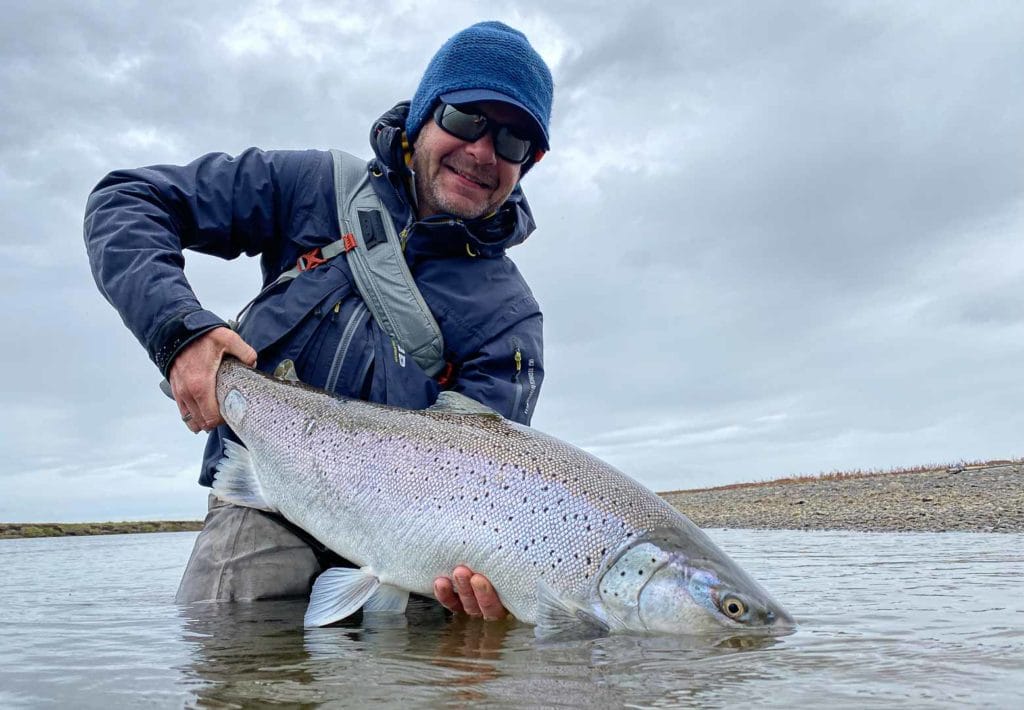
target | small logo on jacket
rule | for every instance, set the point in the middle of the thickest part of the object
(399, 353)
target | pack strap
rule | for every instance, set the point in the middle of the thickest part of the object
(377, 262)
(378, 266)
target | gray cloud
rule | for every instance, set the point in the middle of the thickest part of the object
(774, 239)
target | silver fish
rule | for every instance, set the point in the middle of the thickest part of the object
(569, 543)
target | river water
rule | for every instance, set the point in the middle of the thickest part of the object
(914, 620)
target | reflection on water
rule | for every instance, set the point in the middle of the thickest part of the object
(925, 620)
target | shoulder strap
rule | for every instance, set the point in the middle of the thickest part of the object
(378, 265)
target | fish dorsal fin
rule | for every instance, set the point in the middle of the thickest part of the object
(449, 402)
(286, 371)
(235, 480)
(337, 593)
(560, 619)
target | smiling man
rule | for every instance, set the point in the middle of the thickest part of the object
(442, 189)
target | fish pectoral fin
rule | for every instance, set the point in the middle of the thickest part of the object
(559, 619)
(450, 402)
(235, 480)
(387, 600)
(337, 593)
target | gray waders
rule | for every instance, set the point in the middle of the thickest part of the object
(244, 554)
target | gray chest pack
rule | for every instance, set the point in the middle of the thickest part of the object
(375, 258)
(374, 253)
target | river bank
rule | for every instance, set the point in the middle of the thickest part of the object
(13, 530)
(975, 498)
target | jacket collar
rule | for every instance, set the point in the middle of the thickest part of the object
(440, 235)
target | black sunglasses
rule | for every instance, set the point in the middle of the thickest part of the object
(471, 127)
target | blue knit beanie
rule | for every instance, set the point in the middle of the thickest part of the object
(489, 61)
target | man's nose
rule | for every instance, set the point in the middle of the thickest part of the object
(482, 149)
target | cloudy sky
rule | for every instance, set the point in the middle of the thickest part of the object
(774, 238)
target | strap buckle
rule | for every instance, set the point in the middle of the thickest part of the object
(310, 260)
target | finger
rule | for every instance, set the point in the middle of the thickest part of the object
(195, 390)
(241, 349)
(464, 589)
(487, 598)
(206, 400)
(186, 409)
(446, 595)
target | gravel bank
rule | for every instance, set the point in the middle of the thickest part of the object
(987, 498)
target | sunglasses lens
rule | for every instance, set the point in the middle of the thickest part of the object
(511, 147)
(471, 127)
(464, 126)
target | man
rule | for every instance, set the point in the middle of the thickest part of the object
(446, 172)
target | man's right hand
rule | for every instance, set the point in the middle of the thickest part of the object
(193, 376)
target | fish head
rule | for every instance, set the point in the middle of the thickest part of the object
(679, 582)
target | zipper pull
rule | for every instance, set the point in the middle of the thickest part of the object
(337, 310)
(519, 364)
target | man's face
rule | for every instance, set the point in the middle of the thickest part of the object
(467, 180)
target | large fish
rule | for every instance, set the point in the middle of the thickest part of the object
(569, 543)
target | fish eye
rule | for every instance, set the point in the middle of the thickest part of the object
(733, 607)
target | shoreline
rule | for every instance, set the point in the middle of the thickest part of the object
(10, 531)
(986, 497)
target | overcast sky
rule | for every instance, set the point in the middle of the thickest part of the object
(775, 238)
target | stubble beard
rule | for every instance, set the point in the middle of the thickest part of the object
(430, 198)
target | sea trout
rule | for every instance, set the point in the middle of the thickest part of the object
(570, 544)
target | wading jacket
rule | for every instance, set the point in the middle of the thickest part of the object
(280, 205)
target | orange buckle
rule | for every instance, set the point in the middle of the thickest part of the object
(446, 376)
(349, 241)
(310, 260)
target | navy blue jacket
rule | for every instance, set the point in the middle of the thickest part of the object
(281, 204)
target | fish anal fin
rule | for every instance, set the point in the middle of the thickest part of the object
(387, 600)
(337, 593)
(235, 480)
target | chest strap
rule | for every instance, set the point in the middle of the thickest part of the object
(375, 258)
(377, 263)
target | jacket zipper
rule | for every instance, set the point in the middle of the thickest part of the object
(344, 344)
(515, 376)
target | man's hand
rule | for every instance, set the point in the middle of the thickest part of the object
(472, 594)
(193, 376)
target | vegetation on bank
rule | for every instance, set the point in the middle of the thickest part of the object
(12, 530)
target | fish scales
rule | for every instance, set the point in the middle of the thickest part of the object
(412, 494)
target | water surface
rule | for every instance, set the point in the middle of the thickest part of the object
(914, 619)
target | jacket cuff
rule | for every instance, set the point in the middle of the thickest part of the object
(177, 332)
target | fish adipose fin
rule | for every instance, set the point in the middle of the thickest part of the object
(337, 593)
(235, 480)
(449, 402)
(387, 600)
(558, 619)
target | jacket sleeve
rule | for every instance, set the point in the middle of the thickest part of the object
(138, 222)
(506, 371)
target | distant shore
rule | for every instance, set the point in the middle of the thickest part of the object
(12, 530)
(985, 497)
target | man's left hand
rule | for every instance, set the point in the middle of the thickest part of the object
(470, 593)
